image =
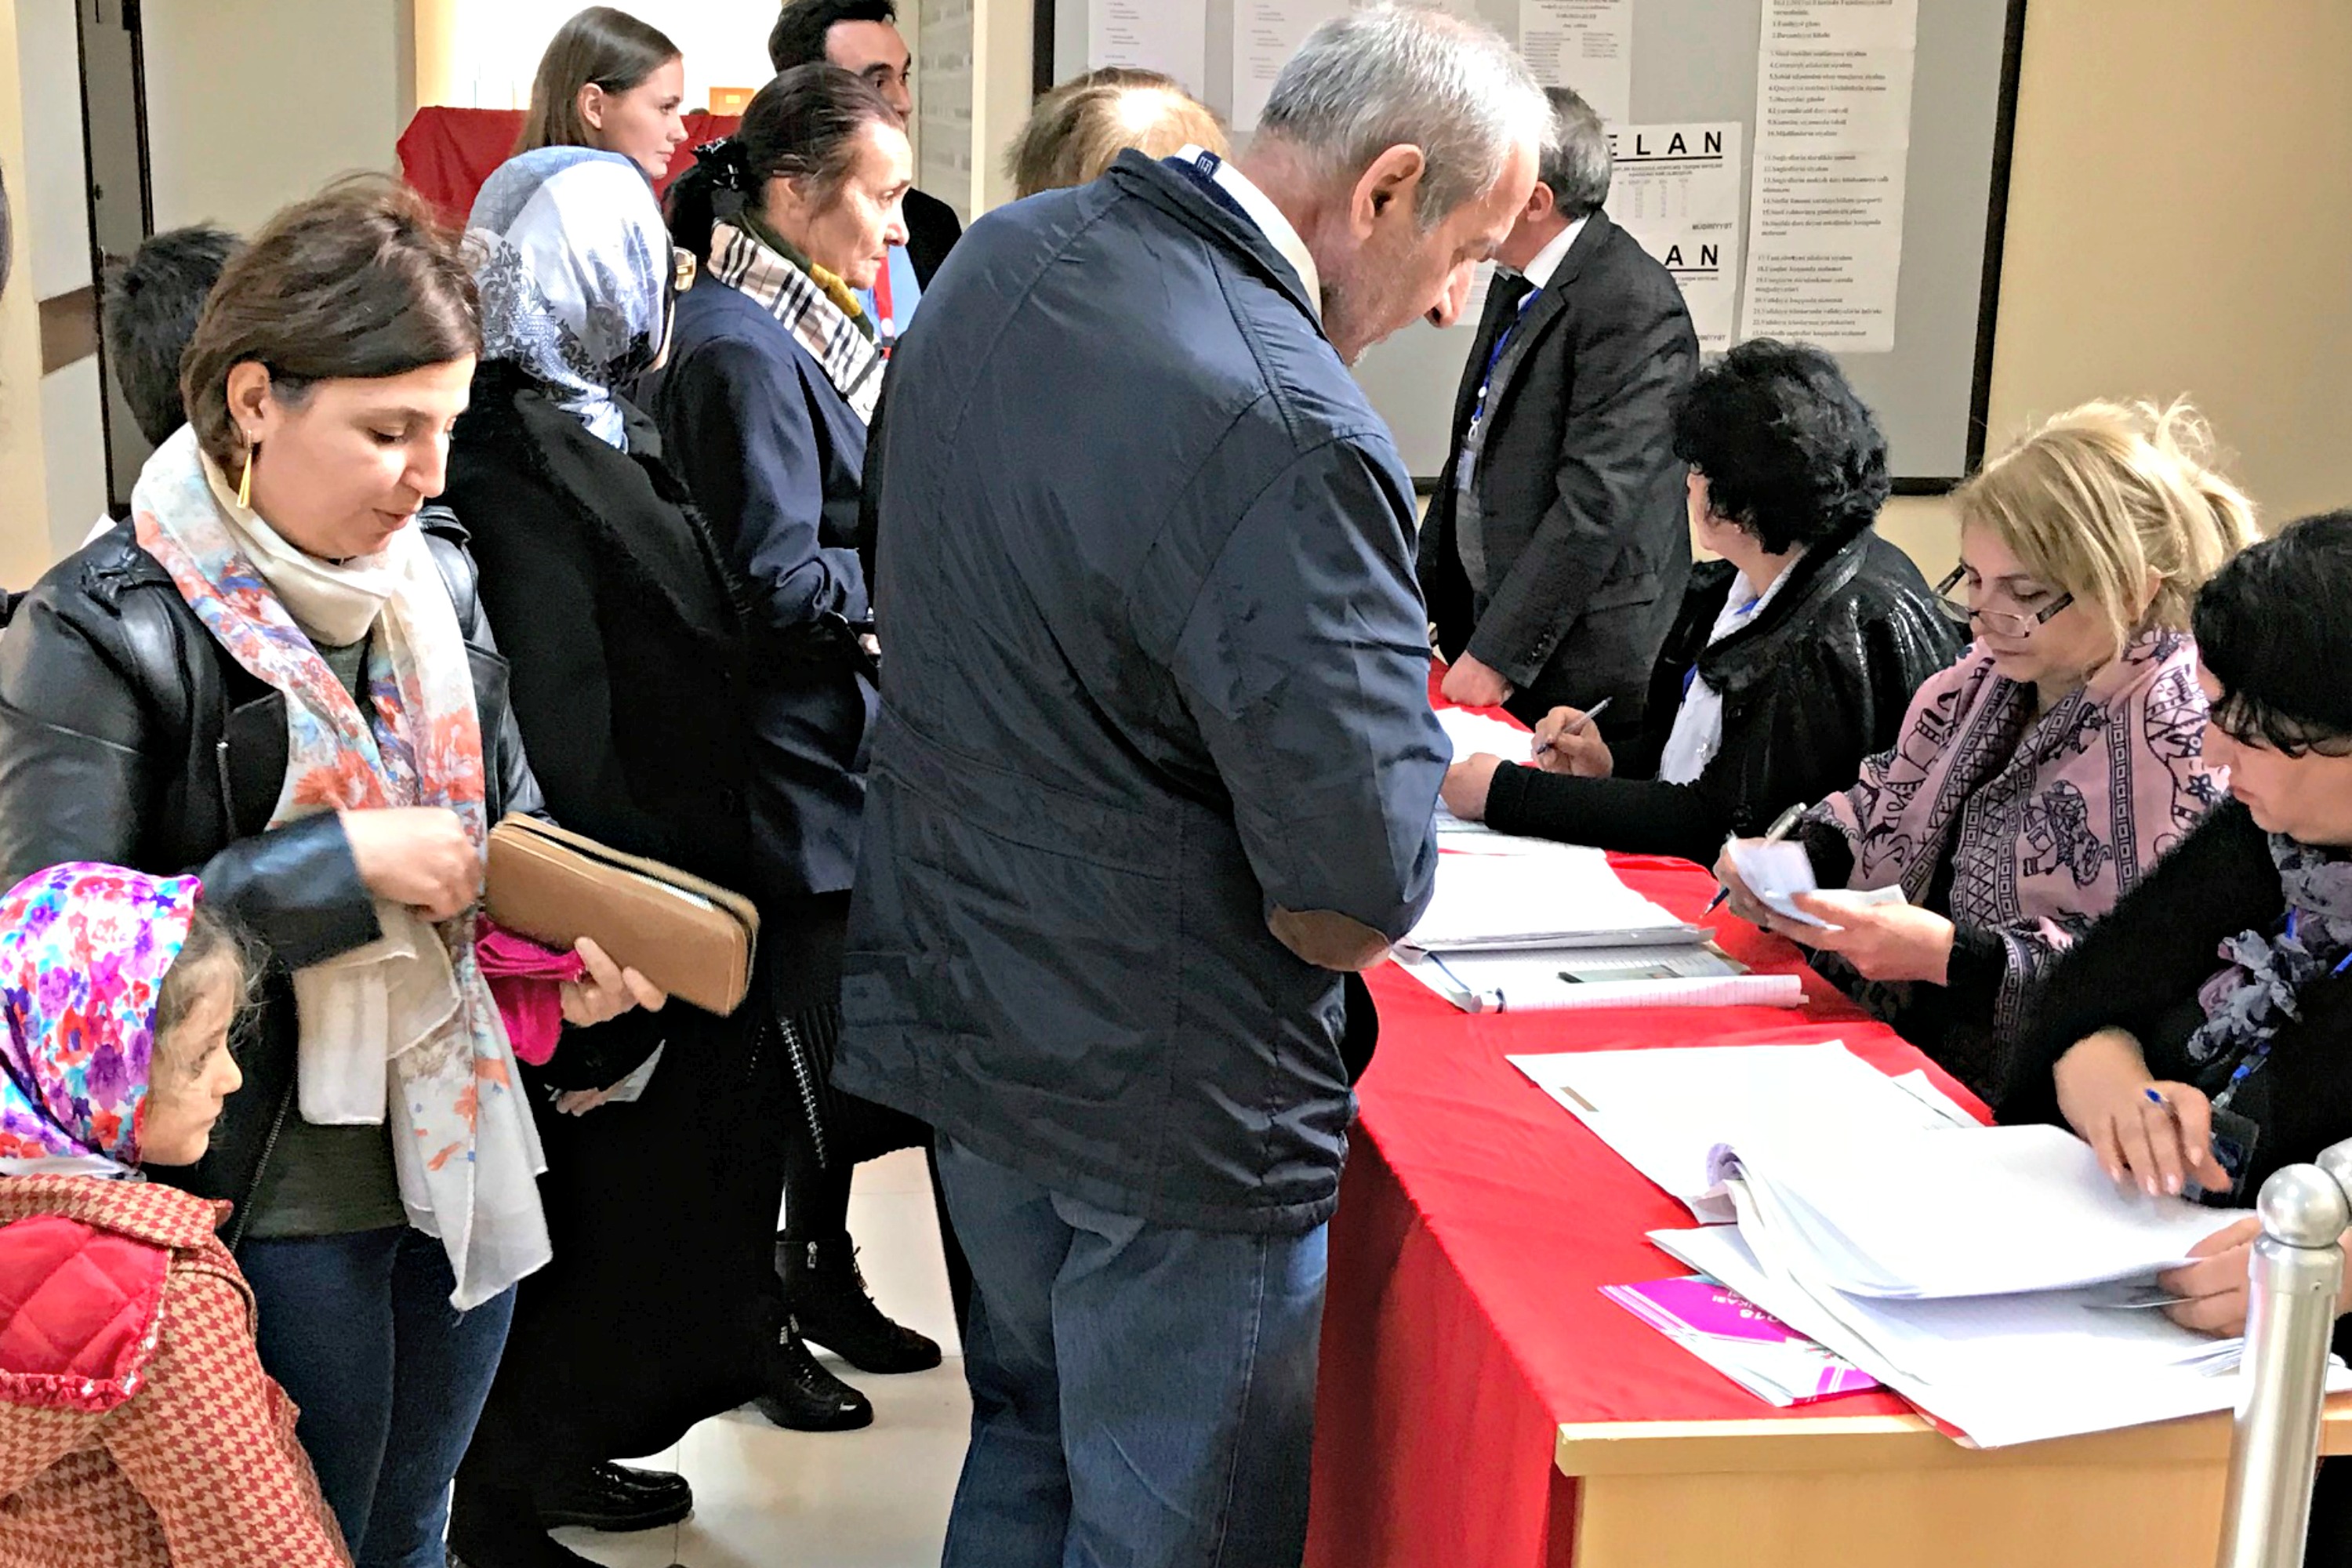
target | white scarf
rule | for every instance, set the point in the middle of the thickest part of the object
(1698, 734)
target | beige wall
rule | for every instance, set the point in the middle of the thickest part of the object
(2180, 213)
(24, 518)
(253, 103)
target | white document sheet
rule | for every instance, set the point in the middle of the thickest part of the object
(1666, 1111)
(1777, 872)
(1676, 191)
(1586, 45)
(1266, 33)
(2006, 1369)
(1536, 982)
(1151, 34)
(1979, 1211)
(1473, 732)
(1832, 163)
(1564, 897)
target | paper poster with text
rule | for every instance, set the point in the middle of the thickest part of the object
(1832, 155)
(1676, 192)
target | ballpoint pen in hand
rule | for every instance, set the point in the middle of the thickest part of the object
(1581, 725)
(1772, 835)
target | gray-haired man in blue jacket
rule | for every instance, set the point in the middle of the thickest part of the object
(1155, 766)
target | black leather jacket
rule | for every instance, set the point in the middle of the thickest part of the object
(1817, 681)
(129, 735)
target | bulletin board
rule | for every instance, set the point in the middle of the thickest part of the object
(1912, 321)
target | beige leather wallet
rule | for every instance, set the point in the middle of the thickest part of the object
(693, 938)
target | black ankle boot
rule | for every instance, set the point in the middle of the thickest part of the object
(800, 1394)
(827, 1297)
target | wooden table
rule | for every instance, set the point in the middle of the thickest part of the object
(1892, 1489)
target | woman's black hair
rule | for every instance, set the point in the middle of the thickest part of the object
(803, 125)
(2274, 628)
(1789, 453)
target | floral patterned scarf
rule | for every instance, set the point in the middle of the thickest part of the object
(2248, 1003)
(83, 952)
(439, 1064)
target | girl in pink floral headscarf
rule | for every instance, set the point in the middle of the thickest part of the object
(127, 1355)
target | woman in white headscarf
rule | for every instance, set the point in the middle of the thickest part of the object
(622, 625)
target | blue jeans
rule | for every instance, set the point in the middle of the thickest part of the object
(390, 1378)
(1142, 1395)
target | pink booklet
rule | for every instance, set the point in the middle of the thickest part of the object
(1740, 1340)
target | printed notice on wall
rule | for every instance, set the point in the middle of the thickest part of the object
(1833, 148)
(1266, 33)
(1586, 45)
(1676, 191)
(1149, 35)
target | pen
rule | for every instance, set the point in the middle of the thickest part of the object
(1772, 835)
(1581, 725)
(2173, 1112)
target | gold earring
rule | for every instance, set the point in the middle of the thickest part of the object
(245, 481)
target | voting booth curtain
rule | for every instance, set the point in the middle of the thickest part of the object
(447, 153)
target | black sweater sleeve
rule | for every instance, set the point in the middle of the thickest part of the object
(1632, 816)
(2155, 950)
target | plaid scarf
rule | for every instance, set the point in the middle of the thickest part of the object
(838, 339)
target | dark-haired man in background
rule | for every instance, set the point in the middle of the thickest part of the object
(862, 35)
(1555, 548)
(147, 316)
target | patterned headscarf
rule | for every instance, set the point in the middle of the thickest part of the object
(83, 952)
(575, 276)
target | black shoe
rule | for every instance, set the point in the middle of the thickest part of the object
(503, 1537)
(801, 1397)
(826, 1296)
(613, 1498)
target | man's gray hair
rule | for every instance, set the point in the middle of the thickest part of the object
(1577, 162)
(1401, 75)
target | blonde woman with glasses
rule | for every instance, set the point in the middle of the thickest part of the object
(2036, 781)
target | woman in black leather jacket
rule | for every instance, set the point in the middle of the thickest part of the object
(278, 677)
(1794, 656)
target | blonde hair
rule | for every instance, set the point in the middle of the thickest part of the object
(1078, 130)
(2102, 495)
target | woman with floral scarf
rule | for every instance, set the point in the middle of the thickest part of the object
(2040, 778)
(128, 1357)
(277, 673)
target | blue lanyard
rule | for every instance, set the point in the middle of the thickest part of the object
(1495, 354)
(2255, 1057)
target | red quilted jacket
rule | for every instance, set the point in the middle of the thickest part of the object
(137, 1427)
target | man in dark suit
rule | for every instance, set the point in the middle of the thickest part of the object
(1556, 549)
(862, 35)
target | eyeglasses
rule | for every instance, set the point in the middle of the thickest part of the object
(2008, 623)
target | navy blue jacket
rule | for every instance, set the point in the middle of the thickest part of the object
(772, 457)
(1154, 664)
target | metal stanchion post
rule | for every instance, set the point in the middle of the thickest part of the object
(2297, 1268)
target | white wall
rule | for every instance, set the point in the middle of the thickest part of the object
(54, 207)
(255, 103)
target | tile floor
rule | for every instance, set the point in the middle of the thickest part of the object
(876, 1498)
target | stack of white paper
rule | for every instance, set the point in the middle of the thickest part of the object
(1993, 1275)
(1666, 1112)
(1568, 898)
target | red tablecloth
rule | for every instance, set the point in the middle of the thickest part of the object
(447, 153)
(1477, 1222)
